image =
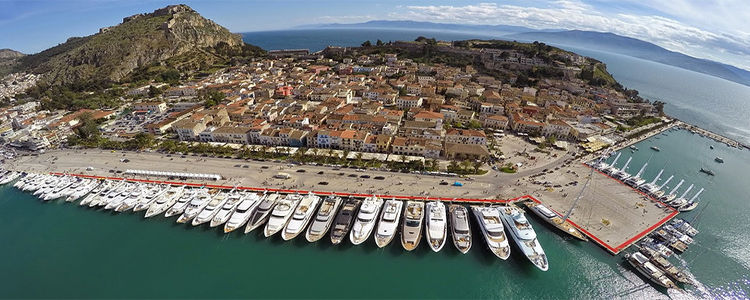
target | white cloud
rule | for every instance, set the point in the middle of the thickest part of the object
(728, 46)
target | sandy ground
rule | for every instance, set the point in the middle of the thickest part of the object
(514, 147)
(605, 199)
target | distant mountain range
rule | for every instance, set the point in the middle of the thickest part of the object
(602, 41)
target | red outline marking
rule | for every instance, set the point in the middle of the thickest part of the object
(612, 250)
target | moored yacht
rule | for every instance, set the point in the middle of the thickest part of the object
(554, 219)
(436, 224)
(344, 220)
(641, 263)
(323, 219)
(195, 206)
(150, 197)
(524, 235)
(389, 220)
(663, 264)
(259, 215)
(281, 214)
(301, 217)
(96, 192)
(411, 227)
(492, 228)
(242, 213)
(168, 200)
(227, 209)
(83, 190)
(10, 176)
(366, 218)
(211, 209)
(132, 199)
(460, 228)
(114, 200)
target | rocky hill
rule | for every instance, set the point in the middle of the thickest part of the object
(174, 35)
(8, 60)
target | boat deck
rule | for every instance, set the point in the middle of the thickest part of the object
(602, 241)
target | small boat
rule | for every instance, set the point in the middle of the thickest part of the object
(719, 159)
(711, 146)
(259, 215)
(242, 214)
(524, 235)
(323, 219)
(667, 267)
(436, 223)
(301, 217)
(344, 220)
(226, 210)
(388, 224)
(411, 231)
(554, 219)
(281, 214)
(195, 206)
(649, 242)
(641, 263)
(655, 148)
(168, 199)
(366, 218)
(492, 228)
(460, 228)
(671, 241)
(211, 209)
(634, 148)
(707, 171)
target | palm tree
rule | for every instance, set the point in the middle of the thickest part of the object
(359, 158)
(465, 165)
(263, 151)
(453, 166)
(434, 165)
(477, 164)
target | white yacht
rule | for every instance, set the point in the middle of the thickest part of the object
(155, 193)
(7, 178)
(259, 215)
(104, 193)
(436, 225)
(211, 209)
(133, 199)
(242, 213)
(95, 192)
(227, 209)
(59, 190)
(281, 214)
(323, 219)
(460, 229)
(133, 192)
(366, 218)
(168, 200)
(121, 192)
(83, 190)
(521, 231)
(195, 206)
(388, 225)
(411, 231)
(492, 228)
(301, 217)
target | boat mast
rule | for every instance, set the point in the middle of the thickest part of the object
(676, 187)
(638, 175)
(626, 164)
(665, 183)
(657, 177)
(696, 195)
(687, 191)
(615, 161)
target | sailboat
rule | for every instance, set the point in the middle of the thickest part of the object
(671, 195)
(622, 174)
(691, 204)
(636, 180)
(680, 201)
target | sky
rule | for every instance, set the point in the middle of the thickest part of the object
(714, 29)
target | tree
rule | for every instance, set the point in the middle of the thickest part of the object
(88, 130)
(141, 141)
(153, 91)
(453, 166)
(379, 42)
(359, 155)
(477, 164)
(474, 124)
(367, 44)
(212, 98)
(465, 165)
